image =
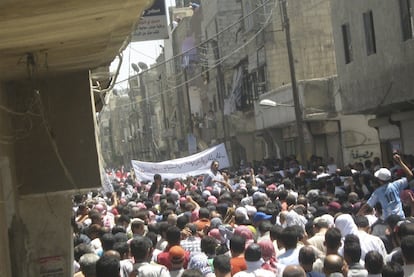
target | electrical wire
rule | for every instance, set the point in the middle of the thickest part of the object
(215, 64)
(204, 42)
(208, 52)
(53, 143)
(28, 112)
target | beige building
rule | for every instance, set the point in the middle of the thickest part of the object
(248, 61)
(48, 131)
(252, 47)
(375, 56)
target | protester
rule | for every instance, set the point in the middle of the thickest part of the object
(272, 223)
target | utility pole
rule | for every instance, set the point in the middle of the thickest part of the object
(295, 92)
(187, 92)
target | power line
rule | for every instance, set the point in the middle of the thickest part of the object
(208, 40)
(217, 63)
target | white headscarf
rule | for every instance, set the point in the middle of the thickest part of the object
(345, 223)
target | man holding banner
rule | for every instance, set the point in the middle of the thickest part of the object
(213, 178)
(194, 165)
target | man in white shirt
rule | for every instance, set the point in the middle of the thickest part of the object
(289, 240)
(368, 242)
(141, 250)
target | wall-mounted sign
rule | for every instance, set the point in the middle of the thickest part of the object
(153, 24)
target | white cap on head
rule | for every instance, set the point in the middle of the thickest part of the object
(383, 174)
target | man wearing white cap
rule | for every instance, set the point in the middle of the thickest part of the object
(388, 193)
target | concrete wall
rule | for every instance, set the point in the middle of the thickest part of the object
(61, 133)
(7, 190)
(360, 142)
(34, 221)
(312, 43)
(368, 83)
(41, 239)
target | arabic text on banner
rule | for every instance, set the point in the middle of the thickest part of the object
(193, 165)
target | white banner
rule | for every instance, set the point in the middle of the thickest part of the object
(193, 165)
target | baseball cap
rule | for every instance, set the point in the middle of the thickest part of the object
(176, 254)
(261, 216)
(334, 206)
(383, 174)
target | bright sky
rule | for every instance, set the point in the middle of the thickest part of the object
(145, 51)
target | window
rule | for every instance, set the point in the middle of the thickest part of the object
(346, 37)
(369, 33)
(406, 19)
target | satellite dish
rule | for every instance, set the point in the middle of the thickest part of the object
(135, 67)
(143, 65)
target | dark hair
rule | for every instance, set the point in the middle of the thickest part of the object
(290, 200)
(352, 249)
(222, 264)
(333, 238)
(374, 262)
(120, 237)
(361, 221)
(123, 219)
(208, 245)
(182, 221)
(173, 235)
(213, 162)
(107, 241)
(407, 248)
(203, 213)
(237, 244)
(152, 237)
(289, 237)
(139, 247)
(276, 232)
(122, 248)
(264, 226)
(392, 269)
(307, 255)
(118, 229)
(107, 266)
(253, 253)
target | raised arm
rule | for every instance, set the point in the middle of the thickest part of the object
(407, 171)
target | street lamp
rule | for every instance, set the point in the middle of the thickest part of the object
(271, 103)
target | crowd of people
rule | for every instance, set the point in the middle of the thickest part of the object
(325, 221)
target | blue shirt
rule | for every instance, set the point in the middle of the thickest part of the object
(389, 197)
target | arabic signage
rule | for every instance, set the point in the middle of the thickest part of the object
(51, 266)
(193, 165)
(153, 24)
(361, 153)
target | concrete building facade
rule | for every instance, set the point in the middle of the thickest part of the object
(374, 52)
(48, 131)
